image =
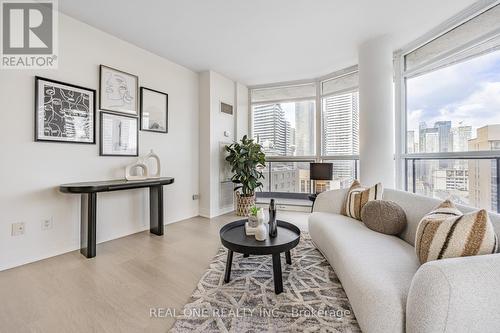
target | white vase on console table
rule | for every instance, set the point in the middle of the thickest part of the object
(146, 160)
(137, 176)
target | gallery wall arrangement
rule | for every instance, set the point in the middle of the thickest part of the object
(66, 113)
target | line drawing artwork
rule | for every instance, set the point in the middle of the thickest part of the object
(66, 114)
(118, 92)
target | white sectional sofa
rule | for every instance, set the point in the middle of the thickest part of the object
(387, 287)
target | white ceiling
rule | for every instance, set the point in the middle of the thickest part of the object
(262, 41)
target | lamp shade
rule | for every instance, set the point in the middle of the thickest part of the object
(321, 171)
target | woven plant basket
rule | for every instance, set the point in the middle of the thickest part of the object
(243, 204)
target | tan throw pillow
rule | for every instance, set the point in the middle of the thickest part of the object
(382, 216)
(358, 196)
(446, 233)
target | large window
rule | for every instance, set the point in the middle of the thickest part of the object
(285, 121)
(452, 100)
(285, 128)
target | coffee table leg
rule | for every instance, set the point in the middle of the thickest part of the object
(278, 279)
(229, 262)
(288, 257)
(246, 255)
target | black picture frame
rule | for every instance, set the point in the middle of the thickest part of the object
(135, 112)
(142, 89)
(37, 107)
(101, 132)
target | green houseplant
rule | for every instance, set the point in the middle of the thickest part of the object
(246, 158)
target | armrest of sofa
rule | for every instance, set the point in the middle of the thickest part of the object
(330, 201)
(455, 295)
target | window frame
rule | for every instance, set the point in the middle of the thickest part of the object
(402, 157)
(318, 155)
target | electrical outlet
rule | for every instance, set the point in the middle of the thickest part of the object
(18, 229)
(47, 224)
(196, 196)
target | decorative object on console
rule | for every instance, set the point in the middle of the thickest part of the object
(320, 172)
(358, 196)
(119, 135)
(135, 166)
(146, 160)
(118, 91)
(273, 225)
(143, 164)
(247, 175)
(154, 110)
(226, 108)
(386, 217)
(64, 112)
(447, 233)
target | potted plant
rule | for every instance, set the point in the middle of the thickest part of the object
(246, 159)
(252, 216)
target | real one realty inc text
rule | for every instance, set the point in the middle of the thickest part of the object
(245, 312)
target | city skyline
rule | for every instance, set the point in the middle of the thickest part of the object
(444, 95)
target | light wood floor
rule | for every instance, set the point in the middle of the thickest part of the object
(114, 291)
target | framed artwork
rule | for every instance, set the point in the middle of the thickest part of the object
(119, 135)
(64, 112)
(118, 91)
(226, 108)
(154, 110)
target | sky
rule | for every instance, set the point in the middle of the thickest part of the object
(468, 92)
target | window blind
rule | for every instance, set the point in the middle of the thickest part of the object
(475, 36)
(340, 84)
(300, 91)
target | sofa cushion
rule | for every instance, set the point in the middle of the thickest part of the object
(376, 270)
(417, 206)
(383, 216)
(446, 233)
(358, 196)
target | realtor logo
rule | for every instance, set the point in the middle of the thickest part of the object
(29, 38)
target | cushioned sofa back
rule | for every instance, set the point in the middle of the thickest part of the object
(416, 206)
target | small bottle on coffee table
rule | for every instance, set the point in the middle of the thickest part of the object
(273, 224)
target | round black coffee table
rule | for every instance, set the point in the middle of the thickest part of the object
(234, 238)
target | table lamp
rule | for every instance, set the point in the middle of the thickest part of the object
(320, 172)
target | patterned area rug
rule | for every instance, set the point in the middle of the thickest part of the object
(312, 299)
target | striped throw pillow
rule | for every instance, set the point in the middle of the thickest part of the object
(447, 233)
(358, 196)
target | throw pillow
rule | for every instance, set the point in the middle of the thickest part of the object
(386, 217)
(447, 233)
(358, 196)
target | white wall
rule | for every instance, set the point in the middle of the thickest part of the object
(376, 112)
(30, 172)
(214, 89)
(242, 111)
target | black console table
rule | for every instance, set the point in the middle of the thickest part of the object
(89, 190)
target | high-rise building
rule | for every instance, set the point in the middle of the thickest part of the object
(341, 131)
(460, 137)
(304, 128)
(341, 124)
(431, 141)
(428, 138)
(271, 129)
(483, 189)
(444, 134)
